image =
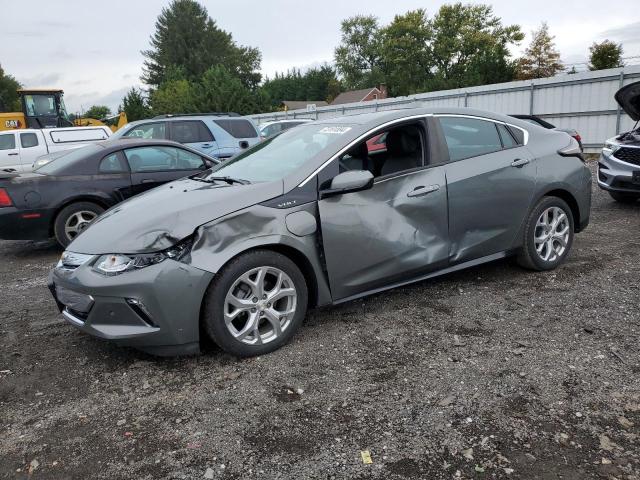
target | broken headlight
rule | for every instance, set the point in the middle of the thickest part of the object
(116, 263)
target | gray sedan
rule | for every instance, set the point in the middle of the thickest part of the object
(311, 217)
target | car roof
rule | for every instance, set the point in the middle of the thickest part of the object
(129, 142)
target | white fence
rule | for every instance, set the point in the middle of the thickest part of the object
(583, 101)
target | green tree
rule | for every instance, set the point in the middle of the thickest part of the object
(187, 38)
(471, 46)
(319, 83)
(541, 58)
(98, 112)
(358, 57)
(220, 91)
(173, 96)
(134, 104)
(9, 101)
(406, 53)
(606, 54)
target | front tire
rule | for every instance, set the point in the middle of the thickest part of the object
(624, 197)
(548, 235)
(73, 219)
(255, 304)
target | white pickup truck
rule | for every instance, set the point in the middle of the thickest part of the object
(19, 149)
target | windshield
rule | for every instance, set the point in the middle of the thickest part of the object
(59, 164)
(276, 157)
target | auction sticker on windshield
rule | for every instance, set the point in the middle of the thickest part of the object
(336, 130)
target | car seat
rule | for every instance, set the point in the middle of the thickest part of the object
(403, 151)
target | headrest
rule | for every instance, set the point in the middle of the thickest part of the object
(400, 142)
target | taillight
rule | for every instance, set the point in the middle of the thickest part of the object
(577, 137)
(5, 199)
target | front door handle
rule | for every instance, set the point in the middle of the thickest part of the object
(12, 154)
(520, 162)
(148, 180)
(423, 190)
(207, 145)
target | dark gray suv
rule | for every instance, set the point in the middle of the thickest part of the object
(311, 217)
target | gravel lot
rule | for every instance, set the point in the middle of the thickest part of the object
(494, 372)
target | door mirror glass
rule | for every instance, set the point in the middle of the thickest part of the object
(350, 181)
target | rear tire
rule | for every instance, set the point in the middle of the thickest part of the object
(624, 197)
(73, 219)
(255, 303)
(548, 235)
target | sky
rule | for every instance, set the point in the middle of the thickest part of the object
(92, 50)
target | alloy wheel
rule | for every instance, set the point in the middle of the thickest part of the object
(260, 305)
(551, 235)
(77, 222)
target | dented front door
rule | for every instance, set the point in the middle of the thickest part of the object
(392, 232)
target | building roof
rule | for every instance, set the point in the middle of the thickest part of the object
(353, 96)
(302, 104)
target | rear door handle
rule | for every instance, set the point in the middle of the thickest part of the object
(423, 190)
(148, 180)
(520, 162)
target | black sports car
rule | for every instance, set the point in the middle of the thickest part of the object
(62, 197)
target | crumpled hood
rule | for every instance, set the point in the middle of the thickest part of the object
(165, 215)
(628, 97)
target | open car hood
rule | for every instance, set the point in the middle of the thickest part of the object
(628, 97)
(161, 217)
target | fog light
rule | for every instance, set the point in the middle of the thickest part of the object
(141, 309)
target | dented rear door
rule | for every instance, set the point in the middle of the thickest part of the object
(390, 233)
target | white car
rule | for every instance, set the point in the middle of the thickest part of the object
(20, 149)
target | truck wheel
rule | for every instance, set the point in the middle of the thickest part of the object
(255, 304)
(73, 219)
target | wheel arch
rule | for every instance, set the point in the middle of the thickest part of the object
(101, 202)
(570, 199)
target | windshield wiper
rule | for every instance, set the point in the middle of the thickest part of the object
(229, 180)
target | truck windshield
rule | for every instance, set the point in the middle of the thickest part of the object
(278, 156)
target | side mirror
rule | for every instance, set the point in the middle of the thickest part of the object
(243, 144)
(348, 182)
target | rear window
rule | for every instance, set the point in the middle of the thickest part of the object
(517, 134)
(60, 164)
(28, 140)
(469, 137)
(237, 128)
(85, 134)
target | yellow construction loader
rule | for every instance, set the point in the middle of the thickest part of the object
(44, 108)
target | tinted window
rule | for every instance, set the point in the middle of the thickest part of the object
(278, 156)
(151, 159)
(111, 164)
(190, 132)
(147, 130)
(28, 140)
(517, 134)
(469, 137)
(507, 139)
(7, 141)
(237, 128)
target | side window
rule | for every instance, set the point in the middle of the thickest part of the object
(237, 128)
(28, 140)
(189, 160)
(507, 139)
(517, 134)
(111, 164)
(469, 137)
(402, 149)
(152, 159)
(148, 130)
(7, 141)
(190, 132)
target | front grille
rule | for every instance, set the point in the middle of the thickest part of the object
(628, 154)
(625, 184)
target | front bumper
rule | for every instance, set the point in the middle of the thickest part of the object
(155, 309)
(616, 175)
